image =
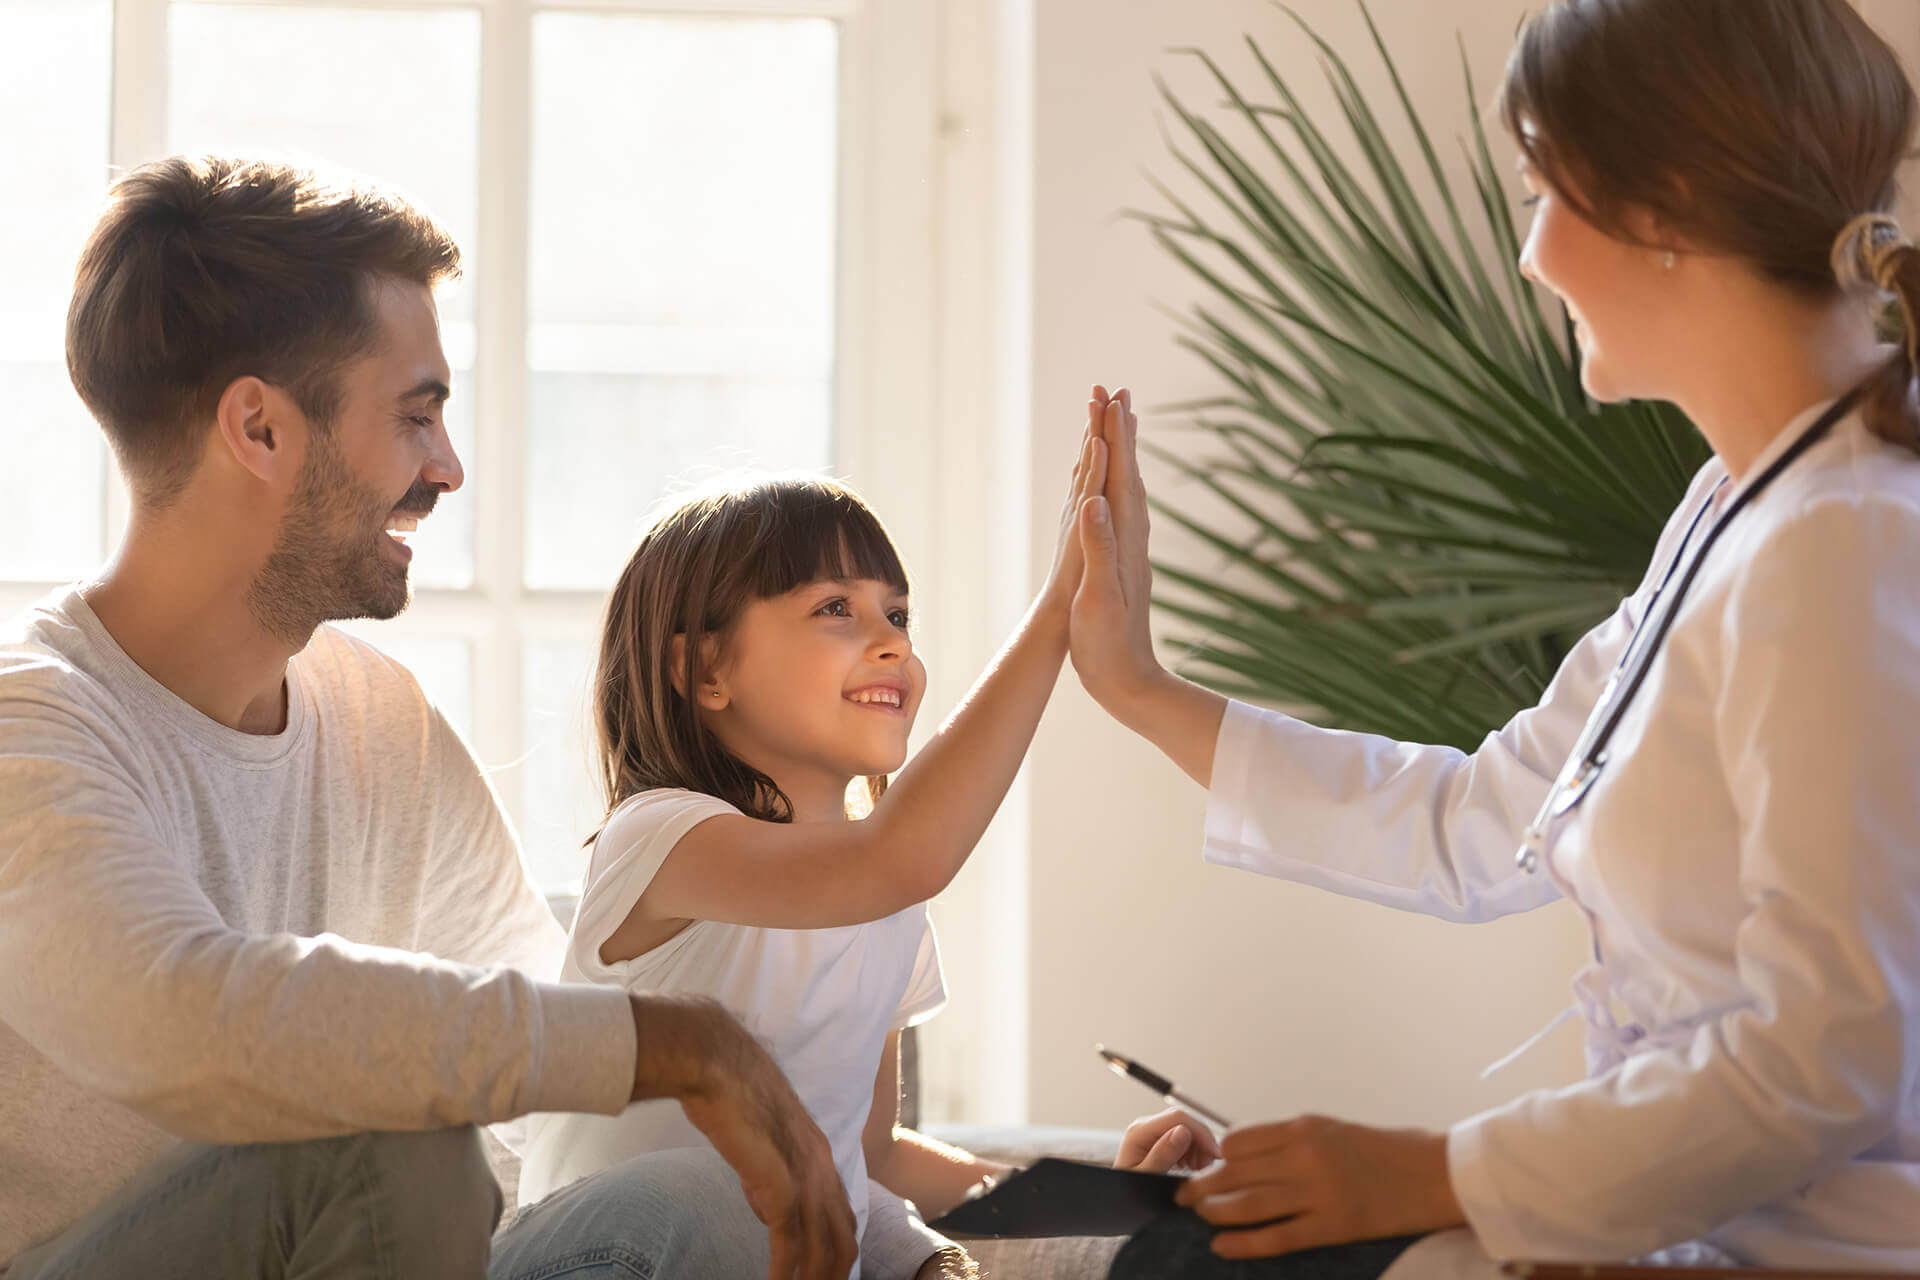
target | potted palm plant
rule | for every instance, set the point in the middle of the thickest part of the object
(1417, 509)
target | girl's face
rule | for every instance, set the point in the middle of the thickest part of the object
(818, 686)
(1619, 295)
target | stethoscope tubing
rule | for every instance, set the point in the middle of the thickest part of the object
(1631, 671)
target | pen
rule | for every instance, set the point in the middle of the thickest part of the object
(1124, 1066)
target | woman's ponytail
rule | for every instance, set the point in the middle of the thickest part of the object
(1872, 252)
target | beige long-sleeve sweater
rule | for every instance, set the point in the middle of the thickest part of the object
(212, 935)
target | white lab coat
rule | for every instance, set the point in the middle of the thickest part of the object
(1749, 863)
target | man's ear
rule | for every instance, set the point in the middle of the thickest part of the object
(256, 424)
(712, 692)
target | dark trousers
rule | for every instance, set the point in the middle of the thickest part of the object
(1174, 1246)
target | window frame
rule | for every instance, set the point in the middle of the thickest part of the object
(885, 324)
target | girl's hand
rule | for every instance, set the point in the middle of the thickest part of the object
(1089, 478)
(1331, 1181)
(1112, 644)
(1170, 1140)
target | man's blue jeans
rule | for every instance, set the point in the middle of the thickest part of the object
(403, 1206)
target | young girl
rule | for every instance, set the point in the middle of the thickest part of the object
(757, 658)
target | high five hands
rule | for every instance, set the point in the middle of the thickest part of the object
(1269, 1188)
(1110, 641)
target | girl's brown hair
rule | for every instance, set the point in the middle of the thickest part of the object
(1761, 129)
(691, 575)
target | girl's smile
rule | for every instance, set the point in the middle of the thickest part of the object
(884, 695)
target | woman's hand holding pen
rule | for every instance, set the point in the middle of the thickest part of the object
(1327, 1182)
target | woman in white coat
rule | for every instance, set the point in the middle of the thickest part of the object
(1737, 816)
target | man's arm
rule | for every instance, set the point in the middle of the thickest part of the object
(117, 968)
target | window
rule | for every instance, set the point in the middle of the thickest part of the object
(652, 200)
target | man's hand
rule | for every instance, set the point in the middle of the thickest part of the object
(951, 1263)
(1172, 1139)
(1328, 1182)
(695, 1051)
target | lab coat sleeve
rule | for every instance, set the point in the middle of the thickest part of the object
(1817, 720)
(1423, 828)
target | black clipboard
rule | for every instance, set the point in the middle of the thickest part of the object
(1054, 1197)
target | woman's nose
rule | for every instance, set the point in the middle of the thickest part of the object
(1529, 254)
(1526, 262)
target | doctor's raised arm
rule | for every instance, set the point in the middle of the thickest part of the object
(1423, 828)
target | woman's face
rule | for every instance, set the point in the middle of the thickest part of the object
(1620, 296)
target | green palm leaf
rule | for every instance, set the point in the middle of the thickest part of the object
(1419, 509)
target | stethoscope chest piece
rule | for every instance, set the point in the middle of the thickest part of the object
(1574, 789)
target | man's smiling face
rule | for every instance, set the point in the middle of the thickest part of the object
(367, 479)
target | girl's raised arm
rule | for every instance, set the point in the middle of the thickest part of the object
(819, 875)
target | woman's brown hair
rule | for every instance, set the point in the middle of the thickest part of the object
(1760, 129)
(695, 569)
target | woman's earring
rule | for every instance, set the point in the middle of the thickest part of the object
(1670, 260)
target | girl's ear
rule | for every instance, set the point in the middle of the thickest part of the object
(712, 693)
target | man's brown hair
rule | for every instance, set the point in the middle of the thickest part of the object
(203, 269)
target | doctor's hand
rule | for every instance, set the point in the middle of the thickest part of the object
(1112, 644)
(1169, 1140)
(1331, 1182)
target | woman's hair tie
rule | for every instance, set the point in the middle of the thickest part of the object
(1867, 251)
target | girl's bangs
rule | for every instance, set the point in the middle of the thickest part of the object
(815, 529)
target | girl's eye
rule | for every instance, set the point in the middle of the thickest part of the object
(898, 618)
(835, 609)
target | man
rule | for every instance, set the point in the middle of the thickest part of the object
(248, 874)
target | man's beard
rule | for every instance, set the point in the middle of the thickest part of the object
(330, 558)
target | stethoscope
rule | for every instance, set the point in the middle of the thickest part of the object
(1589, 756)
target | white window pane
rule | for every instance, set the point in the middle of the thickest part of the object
(560, 802)
(55, 66)
(681, 267)
(597, 477)
(393, 95)
(442, 664)
(51, 482)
